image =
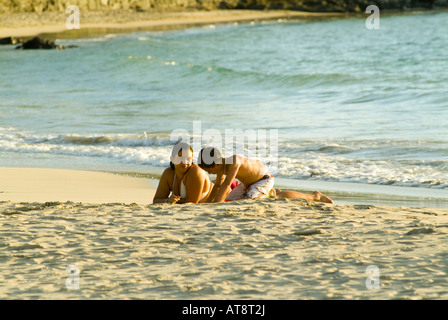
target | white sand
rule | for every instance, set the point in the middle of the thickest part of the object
(265, 249)
(42, 185)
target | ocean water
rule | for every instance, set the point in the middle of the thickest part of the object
(352, 109)
(347, 104)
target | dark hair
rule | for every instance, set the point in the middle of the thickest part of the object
(179, 147)
(209, 157)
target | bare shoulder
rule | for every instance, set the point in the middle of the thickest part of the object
(195, 175)
(195, 170)
(167, 174)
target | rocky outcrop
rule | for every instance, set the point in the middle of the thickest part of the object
(39, 6)
(338, 5)
(38, 43)
(7, 40)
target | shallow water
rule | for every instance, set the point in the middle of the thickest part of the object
(348, 104)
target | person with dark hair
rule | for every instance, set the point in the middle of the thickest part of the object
(256, 181)
(183, 179)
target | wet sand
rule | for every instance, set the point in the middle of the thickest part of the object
(102, 22)
(125, 248)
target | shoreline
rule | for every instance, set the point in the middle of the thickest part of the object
(52, 24)
(268, 249)
(48, 185)
(100, 186)
(94, 23)
(85, 227)
(123, 248)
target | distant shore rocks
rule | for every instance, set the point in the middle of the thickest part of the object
(38, 43)
(34, 43)
(333, 5)
(10, 40)
(40, 6)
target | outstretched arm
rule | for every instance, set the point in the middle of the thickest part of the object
(225, 189)
(216, 187)
(164, 189)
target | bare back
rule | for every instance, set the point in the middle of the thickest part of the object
(250, 170)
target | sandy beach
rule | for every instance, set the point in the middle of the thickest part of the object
(96, 22)
(43, 185)
(126, 248)
(73, 234)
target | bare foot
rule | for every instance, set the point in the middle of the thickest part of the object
(320, 197)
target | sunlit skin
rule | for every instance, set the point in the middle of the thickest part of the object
(246, 170)
(194, 178)
(222, 169)
(315, 196)
(197, 182)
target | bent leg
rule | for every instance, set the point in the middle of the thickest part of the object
(237, 193)
(260, 189)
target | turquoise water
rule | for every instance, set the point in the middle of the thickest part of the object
(360, 113)
(349, 104)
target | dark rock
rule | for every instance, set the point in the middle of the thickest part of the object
(10, 40)
(7, 40)
(38, 43)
